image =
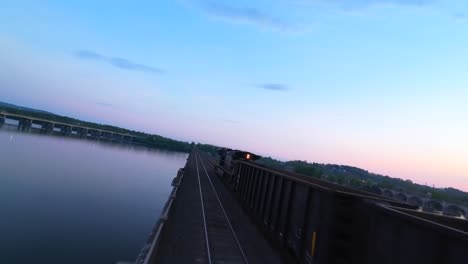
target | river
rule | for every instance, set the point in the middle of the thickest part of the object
(68, 200)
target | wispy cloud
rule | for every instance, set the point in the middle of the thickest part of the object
(260, 18)
(246, 15)
(104, 104)
(273, 86)
(461, 16)
(351, 4)
(87, 54)
(121, 63)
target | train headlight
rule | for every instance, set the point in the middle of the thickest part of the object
(247, 156)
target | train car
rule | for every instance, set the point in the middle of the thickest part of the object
(318, 222)
(226, 166)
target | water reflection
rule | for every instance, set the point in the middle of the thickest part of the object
(69, 200)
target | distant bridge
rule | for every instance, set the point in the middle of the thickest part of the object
(48, 126)
(427, 204)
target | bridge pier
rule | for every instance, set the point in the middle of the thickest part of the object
(54, 126)
(2, 119)
(75, 130)
(47, 127)
(83, 132)
(93, 133)
(24, 124)
(102, 135)
(61, 128)
(118, 138)
(127, 139)
(66, 130)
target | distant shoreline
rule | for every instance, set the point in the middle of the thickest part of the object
(140, 138)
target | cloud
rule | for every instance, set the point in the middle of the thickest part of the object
(104, 104)
(116, 62)
(260, 18)
(367, 3)
(461, 16)
(273, 86)
(246, 15)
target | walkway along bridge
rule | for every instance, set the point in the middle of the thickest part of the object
(262, 215)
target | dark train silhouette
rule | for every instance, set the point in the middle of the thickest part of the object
(230, 155)
(318, 222)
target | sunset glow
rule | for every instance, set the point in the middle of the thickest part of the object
(381, 85)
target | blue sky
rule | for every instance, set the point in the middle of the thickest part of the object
(379, 84)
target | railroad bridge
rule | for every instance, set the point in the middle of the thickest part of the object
(427, 204)
(256, 214)
(263, 215)
(26, 123)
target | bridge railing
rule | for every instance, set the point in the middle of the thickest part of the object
(319, 222)
(149, 249)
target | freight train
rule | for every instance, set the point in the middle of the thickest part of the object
(317, 222)
(228, 159)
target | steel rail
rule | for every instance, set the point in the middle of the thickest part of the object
(224, 211)
(203, 213)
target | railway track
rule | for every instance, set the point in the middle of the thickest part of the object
(222, 244)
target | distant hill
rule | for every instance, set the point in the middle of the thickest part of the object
(22, 108)
(364, 180)
(149, 140)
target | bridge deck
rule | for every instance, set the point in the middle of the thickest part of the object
(207, 224)
(10, 116)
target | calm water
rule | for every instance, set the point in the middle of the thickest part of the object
(65, 200)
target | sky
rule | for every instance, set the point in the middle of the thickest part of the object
(377, 84)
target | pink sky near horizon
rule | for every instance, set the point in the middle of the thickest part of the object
(439, 174)
(325, 145)
(411, 128)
